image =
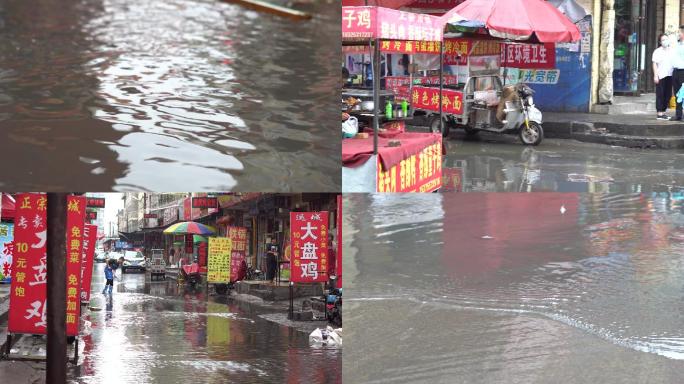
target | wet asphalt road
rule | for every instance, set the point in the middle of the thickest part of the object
(506, 288)
(154, 332)
(159, 95)
(499, 163)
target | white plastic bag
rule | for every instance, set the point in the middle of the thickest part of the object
(328, 336)
(350, 127)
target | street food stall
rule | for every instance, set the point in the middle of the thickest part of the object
(478, 36)
(378, 44)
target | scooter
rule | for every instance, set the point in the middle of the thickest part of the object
(333, 303)
(254, 274)
(191, 275)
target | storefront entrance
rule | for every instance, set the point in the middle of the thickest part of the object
(637, 26)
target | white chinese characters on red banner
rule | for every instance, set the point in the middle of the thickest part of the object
(89, 236)
(309, 239)
(238, 236)
(529, 56)
(29, 270)
(385, 23)
(76, 206)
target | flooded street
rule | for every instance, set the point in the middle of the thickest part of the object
(127, 95)
(150, 332)
(545, 287)
(499, 163)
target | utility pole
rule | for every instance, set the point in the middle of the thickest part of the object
(56, 288)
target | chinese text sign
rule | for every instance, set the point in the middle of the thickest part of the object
(309, 239)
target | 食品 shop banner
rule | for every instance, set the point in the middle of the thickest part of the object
(89, 238)
(28, 291)
(309, 239)
(76, 210)
(6, 246)
(218, 268)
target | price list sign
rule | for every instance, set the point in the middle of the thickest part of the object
(218, 269)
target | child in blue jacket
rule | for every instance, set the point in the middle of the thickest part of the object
(109, 275)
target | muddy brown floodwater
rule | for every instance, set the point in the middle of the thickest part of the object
(506, 288)
(167, 95)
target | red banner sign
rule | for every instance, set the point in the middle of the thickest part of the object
(309, 239)
(457, 51)
(76, 209)
(204, 202)
(150, 216)
(238, 237)
(91, 215)
(29, 270)
(95, 202)
(385, 23)
(400, 84)
(435, 4)
(338, 258)
(409, 47)
(427, 98)
(421, 172)
(452, 180)
(529, 56)
(187, 209)
(89, 238)
(202, 256)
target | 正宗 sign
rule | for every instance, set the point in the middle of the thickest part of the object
(6, 247)
(28, 292)
(218, 268)
(76, 209)
(309, 239)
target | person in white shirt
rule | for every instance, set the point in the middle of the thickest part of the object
(678, 73)
(662, 76)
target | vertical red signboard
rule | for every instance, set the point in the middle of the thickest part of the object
(238, 236)
(309, 239)
(338, 259)
(74, 244)
(202, 257)
(89, 236)
(29, 270)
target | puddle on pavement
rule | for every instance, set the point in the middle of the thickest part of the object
(499, 164)
(489, 287)
(158, 332)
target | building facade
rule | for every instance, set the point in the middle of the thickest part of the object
(264, 217)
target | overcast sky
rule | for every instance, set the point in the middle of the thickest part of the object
(113, 203)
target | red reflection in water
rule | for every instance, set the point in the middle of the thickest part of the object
(484, 232)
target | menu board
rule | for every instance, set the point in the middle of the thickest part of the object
(218, 269)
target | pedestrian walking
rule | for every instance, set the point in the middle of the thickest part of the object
(678, 73)
(271, 262)
(109, 276)
(662, 76)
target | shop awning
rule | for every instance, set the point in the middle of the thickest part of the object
(8, 205)
(516, 19)
(230, 200)
(224, 220)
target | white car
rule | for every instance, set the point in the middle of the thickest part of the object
(133, 260)
(100, 256)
